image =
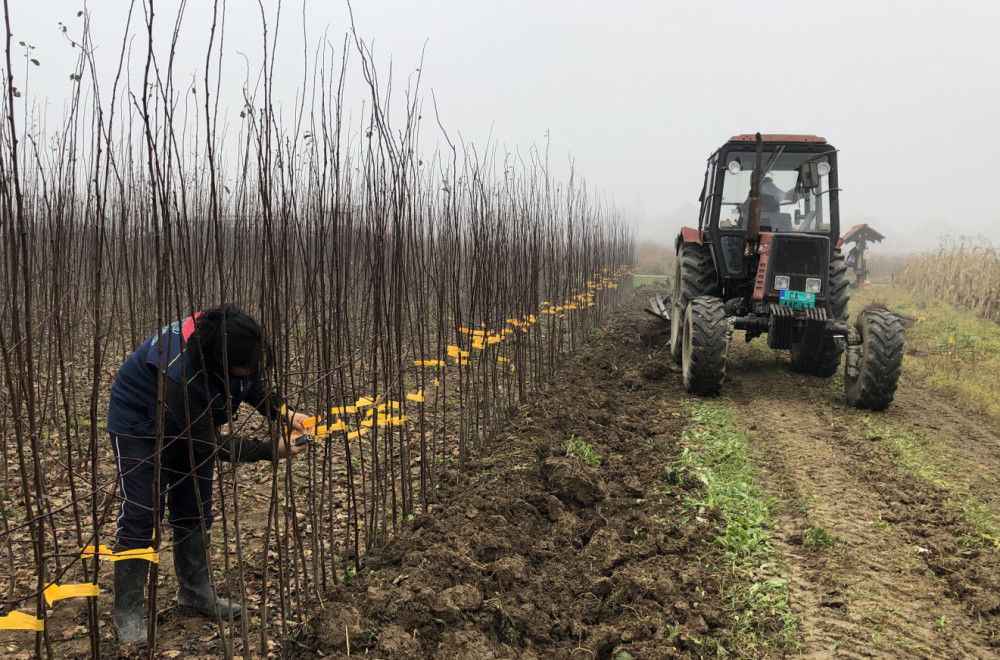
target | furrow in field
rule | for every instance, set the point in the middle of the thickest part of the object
(878, 588)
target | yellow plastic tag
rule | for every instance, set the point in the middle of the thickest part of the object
(417, 396)
(309, 423)
(343, 410)
(21, 621)
(101, 550)
(138, 553)
(55, 592)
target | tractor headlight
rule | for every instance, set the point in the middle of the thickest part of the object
(781, 282)
(813, 284)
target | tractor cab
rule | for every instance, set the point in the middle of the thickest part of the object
(798, 194)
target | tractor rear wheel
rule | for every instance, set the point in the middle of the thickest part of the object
(694, 276)
(825, 361)
(871, 372)
(706, 346)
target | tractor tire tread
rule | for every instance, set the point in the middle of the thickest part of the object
(881, 363)
(695, 277)
(706, 357)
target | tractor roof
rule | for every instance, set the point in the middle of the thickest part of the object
(779, 137)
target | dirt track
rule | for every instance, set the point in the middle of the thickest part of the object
(535, 554)
(896, 580)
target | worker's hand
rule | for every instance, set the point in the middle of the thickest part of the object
(285, 447)
(295, 420)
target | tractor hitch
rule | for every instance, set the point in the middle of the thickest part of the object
(659, 307)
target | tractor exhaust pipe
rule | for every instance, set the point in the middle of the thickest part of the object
(753, 222)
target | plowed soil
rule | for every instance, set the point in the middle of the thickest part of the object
(536, 553)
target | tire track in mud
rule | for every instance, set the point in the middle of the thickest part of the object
(896, 581)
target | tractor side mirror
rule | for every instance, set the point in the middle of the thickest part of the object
(808, 177)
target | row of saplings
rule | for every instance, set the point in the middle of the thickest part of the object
(701, 332)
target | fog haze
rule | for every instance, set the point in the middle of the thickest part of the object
(635, 95)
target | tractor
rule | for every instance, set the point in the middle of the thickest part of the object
(765, 259)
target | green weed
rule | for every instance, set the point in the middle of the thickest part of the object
(817, 536)
(508, 631)
(576, 446)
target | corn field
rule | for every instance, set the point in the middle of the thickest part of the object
(965, 273)
(413, 302)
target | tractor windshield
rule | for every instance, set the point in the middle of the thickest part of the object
(787, 203)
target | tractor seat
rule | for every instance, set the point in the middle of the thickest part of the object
(777, 222)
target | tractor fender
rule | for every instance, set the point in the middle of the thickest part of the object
(687, 235)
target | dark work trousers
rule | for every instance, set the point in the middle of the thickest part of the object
(136, 462)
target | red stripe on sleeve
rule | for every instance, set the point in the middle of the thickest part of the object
(187, 328)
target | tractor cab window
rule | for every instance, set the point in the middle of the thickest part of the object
(790, 201)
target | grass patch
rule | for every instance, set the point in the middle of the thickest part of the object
(717, 459)
(936, 464)
(951, 350)
(643, 280)
(913, 454)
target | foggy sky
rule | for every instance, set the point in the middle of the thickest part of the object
(635, 94)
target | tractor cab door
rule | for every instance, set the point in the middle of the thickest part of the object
(726, 246)
(730, 234)
(727, 241)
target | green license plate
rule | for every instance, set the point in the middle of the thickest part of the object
(798, 299)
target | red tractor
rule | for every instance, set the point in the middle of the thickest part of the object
(765, 259)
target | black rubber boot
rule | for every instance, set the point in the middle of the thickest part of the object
(194, 594)
(130, 587)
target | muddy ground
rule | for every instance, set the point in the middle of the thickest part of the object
(535, 553)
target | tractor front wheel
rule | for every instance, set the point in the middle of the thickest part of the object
(706, 346)
(694, 276)
(871, 371)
